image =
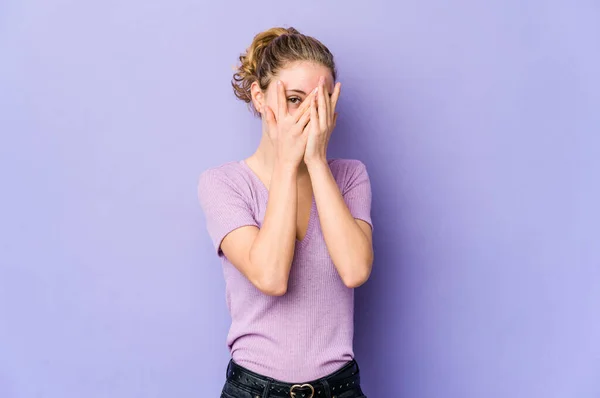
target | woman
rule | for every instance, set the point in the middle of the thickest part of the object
(293, 229)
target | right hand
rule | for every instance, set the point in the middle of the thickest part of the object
(286, 130)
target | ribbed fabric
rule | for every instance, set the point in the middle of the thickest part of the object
(308, 332)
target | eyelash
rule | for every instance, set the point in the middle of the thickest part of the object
(298, 100)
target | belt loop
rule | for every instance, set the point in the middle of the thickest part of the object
(267, 388)
(326, 388)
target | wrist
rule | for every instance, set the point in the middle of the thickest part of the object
(286, 167)
(316, 163)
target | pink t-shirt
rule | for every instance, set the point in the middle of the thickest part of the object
(308, 332)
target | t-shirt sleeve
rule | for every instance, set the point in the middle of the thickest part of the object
(225, 207)
(357, 192)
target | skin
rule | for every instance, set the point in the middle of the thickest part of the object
(298, 114)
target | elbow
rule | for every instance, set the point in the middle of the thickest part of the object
(275, 291)
(269, 276)
(358, 276)
(355, 281)
(272, 286)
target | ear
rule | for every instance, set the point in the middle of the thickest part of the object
(258, 97)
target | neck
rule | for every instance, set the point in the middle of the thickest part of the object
(264, 158)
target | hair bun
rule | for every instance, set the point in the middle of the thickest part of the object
(246, 72)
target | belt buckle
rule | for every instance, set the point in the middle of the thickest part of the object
(293, 394)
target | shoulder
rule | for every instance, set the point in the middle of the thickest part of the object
(223, 171)
(349, 174)
(229, 176)
(352, 164)
(343, 169)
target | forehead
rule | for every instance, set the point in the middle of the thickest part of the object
(305, 76)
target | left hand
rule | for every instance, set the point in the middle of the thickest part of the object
(322, 122)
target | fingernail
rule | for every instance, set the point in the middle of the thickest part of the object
(279, 82)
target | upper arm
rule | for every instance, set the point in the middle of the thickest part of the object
(366, 228)
(356, 192)
(357, 195)
(236, 247)
(229, 217)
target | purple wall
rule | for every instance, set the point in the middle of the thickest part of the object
(480, 125)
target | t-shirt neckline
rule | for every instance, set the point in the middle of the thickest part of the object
(313, 212)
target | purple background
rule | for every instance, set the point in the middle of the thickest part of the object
(479, 123)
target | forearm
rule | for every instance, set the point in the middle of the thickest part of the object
(349, 247)
(273, 249)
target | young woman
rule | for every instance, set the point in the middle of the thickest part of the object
(293, 229)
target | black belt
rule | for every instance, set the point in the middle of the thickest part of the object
(338, 382)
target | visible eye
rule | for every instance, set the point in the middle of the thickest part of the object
(295, 100)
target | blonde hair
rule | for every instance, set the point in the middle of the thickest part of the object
(271, 51)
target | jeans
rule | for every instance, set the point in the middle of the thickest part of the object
(243, 383)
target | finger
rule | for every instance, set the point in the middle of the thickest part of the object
(335, 96)
(307, 127)
(305, 106)
(304, 119)
(270, 118)
(322, 107)
(314, 113)
(327, 98)
(281, 101)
